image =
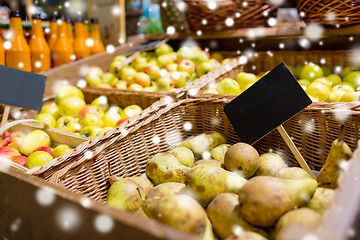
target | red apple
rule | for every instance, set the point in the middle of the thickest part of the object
(90, 109)
(122, 120)
(8, 152)
(142, 79)
(17, 136)
(186, 65)
(44, 148)
(5, 139)
(153, 71)
(121, 85)
(21, 160)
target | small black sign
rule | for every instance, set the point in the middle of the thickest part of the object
(21, 89)
(267, 104)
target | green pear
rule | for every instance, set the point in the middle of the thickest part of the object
(207, 161)
(208, 234)
(303, 216)
(273, 196)
(144, 183)
(246, 235)
(165, 189)
(184, 155)
(164, 167)
(270, 163)
(204, 142)
(321, 199)
(179, 211)
(224, 214)
(218, 153)
(329, 173)
(124, 195)
(33, 140)
(292, 173)
(243, 159)
(207, 181)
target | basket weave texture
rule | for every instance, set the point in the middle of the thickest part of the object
(208, 16)
(125, 150)
(330, 12)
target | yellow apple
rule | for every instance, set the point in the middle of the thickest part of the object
(318, 91)
(101, 102)
(228, 86)
(38, 158)
(334, 79)
(46, 118)
(131, 111)
(68, 91)
(90, 131)
(244, 78)
(60, 150)
(112, 116)
(350, 97)
(91, 120)
(71, 106)
(67, 123)
(33, 140)
(52, 109)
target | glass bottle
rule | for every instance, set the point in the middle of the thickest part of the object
(70, 32)
(80, 48)
(98, 46)
(63, 51)
(53, 32)
(2, 53)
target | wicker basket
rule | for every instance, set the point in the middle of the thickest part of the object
(330, 12)
(209, 16)
(172, 16)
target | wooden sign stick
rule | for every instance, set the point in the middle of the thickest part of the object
(295, 151)
(5, 115)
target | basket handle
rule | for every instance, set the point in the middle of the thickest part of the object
(14, 123)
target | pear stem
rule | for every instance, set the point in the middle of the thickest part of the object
(142, 198)
(342, 132)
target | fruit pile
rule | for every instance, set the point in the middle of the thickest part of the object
(233, 190)
(71, 113)
(29, 150)
(159, 70)
(318, 82)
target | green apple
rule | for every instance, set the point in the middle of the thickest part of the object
(324, 81)
(165, 84)
(215, 63)
(71, 106)
(193, 77)
(184, 53)
(228, 86)
(244, 79)
(164, 60)
(46, 118)
(171, 67)
(52, 109)
(226, 61)
(142, 79)
(217, 56)
(104, 85)
(200, 56)
(180, 79)
(101, 102)
(311, 71)
(93, 80)
(304, 82)
(122, 85)
(353, 78)
(334, 79)
(38, 158)
(33, 140)
(60, 150)
(68, 91)
(91, 109)
(318, 91)
(139, 63)
(297, 70)
(112, 116)
(153, 71)
(109, 78)
(119, 58)
(346, 70)
(346, 86)
(204, 68)
(67, 123)
(135, 87)
(92, 120)
(114, 68)
(128, 74)
(163, 49)
(90, 131)
(131, 111)
(326, 71)
(210, 91)
(350, 97)
(336, 95)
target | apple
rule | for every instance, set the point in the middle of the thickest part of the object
(226, 61)
(217, 56)
(68, 91)
(318, 91)
(104, 130)
(46, 118)
(297, 70)
(215, 63)
(164, 60)
(334, 79)
(121, 85)
(71, 106)
(244, 78)
(90, 131)
(8, 152)
(228, 86)
(112, 116)
(184, 53)
(90, 109)
(104, 85)
(163, 49)
(135, 87)
(200, 56)
(324, 81)
(114, 68)
(109, 78)
(311, 71)
(119, 58)
(336, 95)
(60, 150)
(186, 65)
(171, 67)
(101, 102)
(346, 86)
(33, 140)
(21, 160)
(211, 91)
(346, 70)
(165, 84)
(52, 109)
(304, 82)
(163, 73)
(204, 68)
(139, 63)
(150, 89)
(16, 138)
(91, 120)
(326, 71)
(142, 79)
(153, 71)
(44, 148)
(193, 77)
(38, 158)
(180, 79)
(67, 123)
(95, 71)
(353, 78)
(122, 120)
(5, 139)
(131, 111)
(93, 80)
(350, 97)
(128, 74)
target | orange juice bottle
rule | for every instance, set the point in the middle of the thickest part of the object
(40, 51)
(63, 50)
(18, 55)
(53, 32)
(98, 46)
(70, 31)
(2, 53)
(80, 48)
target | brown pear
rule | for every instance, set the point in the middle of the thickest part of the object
(224, 214)
(264, 199)
(246, 235)
(140, 212)
(184, 155)
(305, 217)
(144, 183)
(165, 189)
(218, 153)
(179, 211)
(242, 158)
(208, 234)
(292, 173)
(270, 163)
(321, 199)
(207, 161)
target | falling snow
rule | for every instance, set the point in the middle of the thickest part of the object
(88, 154)
(314, 31)
(215, 121)
(45, 196)
(304, 43)
(21, 65)
(192, 92)
(110, 48)
(168, 100)
(85, 202)
(7, 45)
(104, 223)
(237, 14)
(73, 57)
(237, 230)
(330, 16)
(212, 5)
(14, 226)
(38, 64)
(341, 113)
(89, 42)
(173, 137)
(155, 139)
(204, 22)
(81, 83)
(116, 10)
(181, 6)
(229, 22)
(309, 127)
(199, 32)
(68, 218)
(281, 45)
(272, 22)
(206, 155)
(243, 60)
(277, 2)
(16, 114)
(170, 30)
(310, 236)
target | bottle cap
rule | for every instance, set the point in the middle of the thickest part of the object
(15, 13)
(36, 16)
(94, 20)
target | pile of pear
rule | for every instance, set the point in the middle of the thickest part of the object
(234, 194)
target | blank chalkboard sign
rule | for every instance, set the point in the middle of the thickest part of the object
(21, 89)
